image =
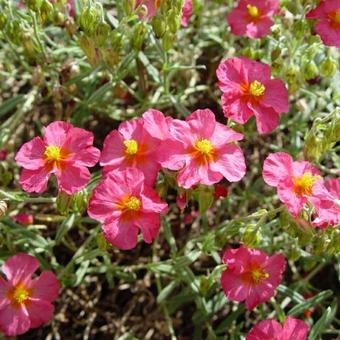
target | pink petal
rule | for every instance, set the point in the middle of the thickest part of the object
(276, 96)
(4, 288)
(14, 321)
(34, 180)
(186, 12)
(265, 330)
(30, 156)
(113, 150)
(45, 287)
(260, 29)
(224, 135)
(230, 163)
(20, 268)
(329, 35)
(86, 157)
(295, 329)
(72, 178)
(56, 132)
(277, 167)
(149, 224)
(233, 287)
(151, 202)
(267, 120)
(202, 123)
(40, 312)
(236, 108)
(122, 235)
(231, 74)
(156, 124)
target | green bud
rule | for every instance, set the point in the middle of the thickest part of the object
(205, 284)
(88, 19)
(252, 236)
(129, 6)
(328, 67)
(168, 40)
(34, 5)
(174, 21)
(205, 198)
(310, 70)
(3, 208)
(46, 12)
(64, 202)
(138, 36)
(80, 201)
(102, 33)
(312, 150)
(14, 31)
(101, 242)
(3, 20)
(87, 45)
(159, 25)
(275, 54)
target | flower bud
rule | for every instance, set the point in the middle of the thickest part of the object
(3, 208)
(87, 45)
(80, 201)
(3, 20)
(88, 19)
(310, 70)
(101, 242)
(34, 5)
(14, 31)
(129, 6)
(252, 236)
(3, 154)
(168, 40)
(23, 218)
(64, 202)
(205, 198)
(101, 33)
(328, 67)
(159, 25)
(174, 21)
(312, 150)
(138, 36)
(46, 12)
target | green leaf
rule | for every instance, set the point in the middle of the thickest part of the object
(65, 227)
(166, 291)
(10, 104)
(323, 322)
(312, 302)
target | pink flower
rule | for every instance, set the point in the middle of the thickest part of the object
(125, 204)
(152, 7)
(296, 181)
(25, 303)
(182, 201)
(221, 191)
(3, 154)
(23, 218)
(251, 275)
(328, 211)
(327, 15)
(248, 90)
(132, 146)
(186, 12)
(65, 151)
(253, 18)
(203, 151)
(292, 329)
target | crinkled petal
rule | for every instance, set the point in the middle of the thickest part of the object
(34, 180)
(45, 287)
(31, 154)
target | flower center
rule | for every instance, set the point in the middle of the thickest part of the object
(303, 185)
(253, 11)
(53, 153)
(254, 275)
(18, 294)
(204, 146)
(259, 275)
(256, 88)
(133, 203)
(131, 147)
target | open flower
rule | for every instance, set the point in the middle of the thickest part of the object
(296, 181)
(64, 151)
(253, 18)
(132, 146)
(248, 90)
(125, 204)
(271, 330)
(152, 6)
(251, 276)
(327, 15)
(25, 302)
(328, 211)
(203, 151)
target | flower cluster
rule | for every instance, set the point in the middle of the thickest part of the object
(299, 183)
(25, 303)
(253, 18)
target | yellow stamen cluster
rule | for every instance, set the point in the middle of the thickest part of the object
(204, 146)
(133, 203)
(20, 295)
(253, 11)
(256, 88)
(53, 153)
(337, 16)
(258, 275)
(303, 185)
(131, 147)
